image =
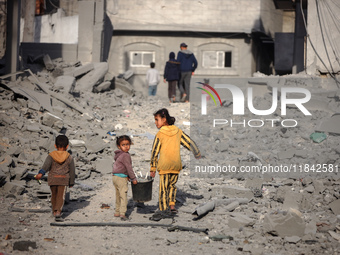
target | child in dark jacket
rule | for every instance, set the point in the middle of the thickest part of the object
(122, 171)
(172, 74)
(60, 166)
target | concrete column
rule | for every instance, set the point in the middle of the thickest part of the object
(85, 30)
(12, 36)
(312, 31)
(98, 31)
(29, 15)
(299, 40)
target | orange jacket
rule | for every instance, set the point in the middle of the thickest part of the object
(167, 144)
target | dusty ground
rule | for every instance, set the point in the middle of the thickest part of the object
(241, 229)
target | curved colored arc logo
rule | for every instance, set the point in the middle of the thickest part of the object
(218, 96)
(208, 93)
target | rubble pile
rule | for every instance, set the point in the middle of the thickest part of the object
(36, 108)
(245, 213)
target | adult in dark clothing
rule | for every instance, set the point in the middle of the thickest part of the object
(188, 67)
(172, 73)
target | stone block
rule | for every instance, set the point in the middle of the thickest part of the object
(33, 128)
(15, 188)
(238, 220)
(96, 144)
(81, 70)
(282, 225)
(51, 120)
(288, 154)
(232, 206)
(292, 200)
(335, 207)
(67, 83)
(104, 165)
(94, 77)
(124, 86)
(104, 86)
(234, 191)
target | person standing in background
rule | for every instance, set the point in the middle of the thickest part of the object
(152, 78)
(172, 73)
(188, 67)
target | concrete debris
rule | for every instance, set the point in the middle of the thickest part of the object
(335, 207)
(336, 236)
(104, 165)
(14, 188)
(292, 239)
(124, 86)
(81, 70)
(255, 213)
(94, 77)
(238, 220)
(42, 100)
(65, 83)
(330, 125)
(48, 63)
(51, 120)
(284, 224)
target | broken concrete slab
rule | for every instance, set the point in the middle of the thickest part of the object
(330, 125)
(290, 224)
(81, 70)
(292, 200)
(48, 62)
(104, 165)
(128, 74)
(335, 206)
(311, 228)
(287, 154)
(238, 220)
(41, 99)
(318, 186)
(66, 83)
(52, 120)
(292, 239)
(77, 143)
(33, 128)
(232, 206)
(16, 188)
(6, 160)
(204, 208)
(124, 86)
(53, 94)
(309, 189)
(94, 77)
(235, 191)
(104, 86)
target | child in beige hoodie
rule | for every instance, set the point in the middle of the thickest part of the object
(122, 171)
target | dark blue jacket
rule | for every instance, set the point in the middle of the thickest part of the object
(188, 61)
(172, 70)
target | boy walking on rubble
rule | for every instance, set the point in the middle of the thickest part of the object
(60, 166)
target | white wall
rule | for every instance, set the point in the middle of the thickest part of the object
(56, 28)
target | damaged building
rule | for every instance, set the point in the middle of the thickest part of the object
(236, 39)
(57, 55)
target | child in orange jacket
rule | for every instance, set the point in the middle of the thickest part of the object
(167, 144)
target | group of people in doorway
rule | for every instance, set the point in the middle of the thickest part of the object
(177, 73)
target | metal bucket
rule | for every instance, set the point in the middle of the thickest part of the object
(142, 191)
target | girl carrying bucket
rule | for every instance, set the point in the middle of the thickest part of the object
(167, 144)
(122, 171)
